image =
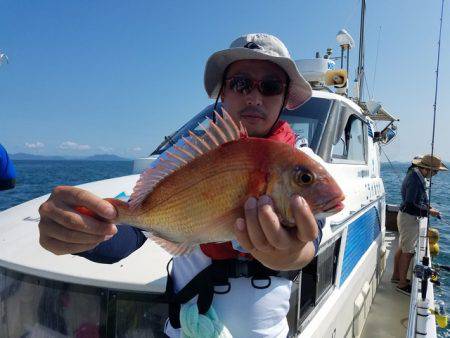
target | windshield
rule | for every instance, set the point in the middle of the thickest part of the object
(307, 122)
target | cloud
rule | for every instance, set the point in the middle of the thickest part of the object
(106, 149)
(136, 149)
(36, 145)
(69, 145)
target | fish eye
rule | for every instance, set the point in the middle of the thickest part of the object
(304, 177)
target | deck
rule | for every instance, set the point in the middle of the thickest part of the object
(388, 315)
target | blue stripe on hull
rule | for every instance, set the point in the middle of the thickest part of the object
(361, 233)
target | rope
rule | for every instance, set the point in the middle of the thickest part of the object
(196, 325)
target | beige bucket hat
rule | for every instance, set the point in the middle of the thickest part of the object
(430, 162)
(257, 46)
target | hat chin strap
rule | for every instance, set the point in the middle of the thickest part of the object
(286, 93)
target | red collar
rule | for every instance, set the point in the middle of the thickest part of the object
(282, 132)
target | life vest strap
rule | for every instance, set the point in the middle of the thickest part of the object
(217, 274)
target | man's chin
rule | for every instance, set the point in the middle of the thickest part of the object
(254, 132)
(254, 127)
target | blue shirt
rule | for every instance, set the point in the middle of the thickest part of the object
(414, 194)
(7, 171)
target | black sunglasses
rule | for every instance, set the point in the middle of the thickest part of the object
(267, 87)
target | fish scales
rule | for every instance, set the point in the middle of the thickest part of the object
(215, 187)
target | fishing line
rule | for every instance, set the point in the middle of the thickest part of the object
(442, 267)
(369, 95)
(392, 166)
(352, 13)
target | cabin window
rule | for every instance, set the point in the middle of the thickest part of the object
(314, 282)
(350, 146)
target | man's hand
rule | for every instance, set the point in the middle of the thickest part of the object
(277, 247)
(64, 230)
(435, 213)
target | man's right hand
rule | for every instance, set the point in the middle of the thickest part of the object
(63, 230)
(435, 213)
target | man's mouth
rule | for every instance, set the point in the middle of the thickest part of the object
(252, 117)
(251, 113)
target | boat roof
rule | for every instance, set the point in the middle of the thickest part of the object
(381, 115)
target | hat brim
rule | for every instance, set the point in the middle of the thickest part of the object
(418, 162)
(299, 89)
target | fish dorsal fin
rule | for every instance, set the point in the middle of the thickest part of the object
(222, 131)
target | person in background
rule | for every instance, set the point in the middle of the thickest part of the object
(414, 209)
(7, 171)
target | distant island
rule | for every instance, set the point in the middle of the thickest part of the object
(99, 157)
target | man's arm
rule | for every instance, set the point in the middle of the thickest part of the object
(64, 230)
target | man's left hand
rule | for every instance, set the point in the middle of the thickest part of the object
(277, 247)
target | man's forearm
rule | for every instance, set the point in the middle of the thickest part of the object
(127, 240)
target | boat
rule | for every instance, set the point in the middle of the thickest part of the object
(344, 292)
(42, 292)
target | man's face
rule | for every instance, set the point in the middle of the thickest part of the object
(258, 113)
(428, 172)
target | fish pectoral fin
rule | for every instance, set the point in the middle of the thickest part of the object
(175, 249)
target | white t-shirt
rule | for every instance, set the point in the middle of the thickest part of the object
(245, 311)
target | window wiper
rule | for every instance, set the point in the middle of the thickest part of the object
(167, 139)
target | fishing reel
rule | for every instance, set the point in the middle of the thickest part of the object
(435, 278)
(423, 272)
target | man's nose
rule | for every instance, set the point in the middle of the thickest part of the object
(254, 97)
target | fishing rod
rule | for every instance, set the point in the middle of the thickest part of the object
(426, 258)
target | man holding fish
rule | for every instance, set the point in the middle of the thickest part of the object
(240, 193)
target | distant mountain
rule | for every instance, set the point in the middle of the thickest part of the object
(105, 157)
(99, 157)
(24, 156)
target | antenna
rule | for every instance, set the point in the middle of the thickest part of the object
(360, 70)
(345, 40)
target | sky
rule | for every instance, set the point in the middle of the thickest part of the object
(91, 77)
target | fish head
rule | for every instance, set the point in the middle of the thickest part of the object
(301, 175)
